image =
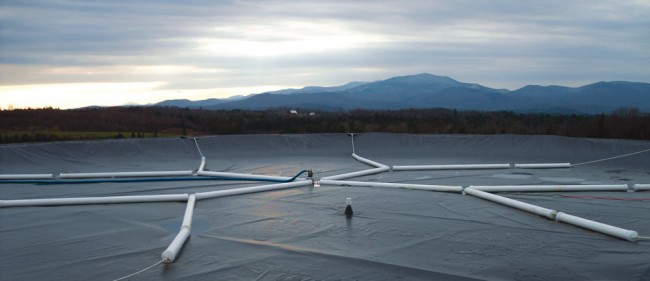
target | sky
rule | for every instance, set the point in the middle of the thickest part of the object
(75, 53)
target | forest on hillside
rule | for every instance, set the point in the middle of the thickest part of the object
(48, 124)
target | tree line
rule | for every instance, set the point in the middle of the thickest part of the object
(49, 124)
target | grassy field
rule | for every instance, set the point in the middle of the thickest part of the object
(41, 136)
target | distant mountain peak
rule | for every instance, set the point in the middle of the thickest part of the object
(426, 90)
(423, 78)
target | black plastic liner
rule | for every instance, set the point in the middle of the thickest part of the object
(303, 234)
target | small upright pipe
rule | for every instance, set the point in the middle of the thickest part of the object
(348, 208)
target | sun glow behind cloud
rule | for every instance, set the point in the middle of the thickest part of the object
(75, 95)
(285, 38)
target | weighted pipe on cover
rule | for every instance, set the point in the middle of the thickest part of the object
(169, 255)
(189, 211)
(239, 176)
(442, 188)
(368, 161)
(26, 176)
(202, 165)
(641, 186)
(451, 167)
(93, 200)
(625, 234)
(543, 165)
(550, 188)
(252, 189)
(357, 174)
(549, 213)
(125, 174)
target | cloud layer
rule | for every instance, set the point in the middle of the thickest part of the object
(201, 49)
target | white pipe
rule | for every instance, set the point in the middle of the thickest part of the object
(202, 166)
(543, 165)
(189, 211)
(357, 174)
(551, 188)
(625, 234)
(125, 174)
(241, 176)
(93, 200)
(196, 142)
(641, 186)
(368, 161)
(549, 213)
(451, 167)
(26, 177)
(169, 255)
(442, 188)
(252, 189)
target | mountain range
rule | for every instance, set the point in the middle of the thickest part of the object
(431, 91)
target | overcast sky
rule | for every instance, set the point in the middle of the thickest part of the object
(67, 53)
